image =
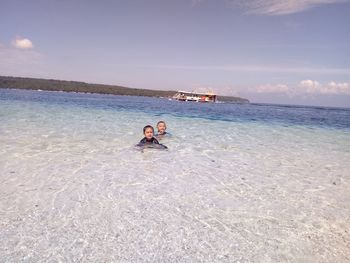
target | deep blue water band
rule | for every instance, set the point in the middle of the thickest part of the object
(336, 118)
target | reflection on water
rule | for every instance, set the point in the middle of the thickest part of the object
(74, 188)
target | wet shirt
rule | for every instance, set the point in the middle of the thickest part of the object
(151, 141)
(165, 134)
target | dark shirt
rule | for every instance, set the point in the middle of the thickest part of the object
(165, 134)
(152, 143)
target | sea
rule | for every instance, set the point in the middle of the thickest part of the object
(238, 183)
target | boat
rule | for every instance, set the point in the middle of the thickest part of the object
(195, 96)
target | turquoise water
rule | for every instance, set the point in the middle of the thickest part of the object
(239, 183)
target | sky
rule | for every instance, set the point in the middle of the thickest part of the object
(268, 51)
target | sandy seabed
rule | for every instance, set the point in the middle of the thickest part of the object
(75, 190)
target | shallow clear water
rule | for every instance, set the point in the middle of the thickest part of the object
(247, 183)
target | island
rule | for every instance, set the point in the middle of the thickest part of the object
(9, 82)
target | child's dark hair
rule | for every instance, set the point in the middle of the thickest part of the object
(146, 127)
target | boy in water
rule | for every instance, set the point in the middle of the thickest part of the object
(149, 140)
(161, 126)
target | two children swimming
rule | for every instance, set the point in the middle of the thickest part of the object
(150, 140)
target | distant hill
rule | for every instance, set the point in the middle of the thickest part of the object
(75, 86)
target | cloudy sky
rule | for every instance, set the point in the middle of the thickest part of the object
(288, 52)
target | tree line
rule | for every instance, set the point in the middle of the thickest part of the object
(7, 82)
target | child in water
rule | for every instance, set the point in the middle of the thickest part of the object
(161, 126)
(149, 140)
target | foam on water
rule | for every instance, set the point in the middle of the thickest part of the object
(74, 188)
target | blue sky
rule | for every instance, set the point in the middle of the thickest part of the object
(289, 52)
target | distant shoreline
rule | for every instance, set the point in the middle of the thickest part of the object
(7, 82)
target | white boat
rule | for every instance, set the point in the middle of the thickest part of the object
(195, 96)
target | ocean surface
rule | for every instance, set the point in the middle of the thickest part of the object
(239, 183)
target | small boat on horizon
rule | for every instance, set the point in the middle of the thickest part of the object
(195, 96)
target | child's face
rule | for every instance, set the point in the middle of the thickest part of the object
(149, 133)
(161, 128)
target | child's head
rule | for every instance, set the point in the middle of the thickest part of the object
(148, 132)
(161, 126)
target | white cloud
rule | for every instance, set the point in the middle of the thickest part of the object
(278, 7)
(306, 87)
(314, 87)
(343, 88)
(23, 43)
(309, 86)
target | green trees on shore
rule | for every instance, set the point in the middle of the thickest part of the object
(75, 86)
